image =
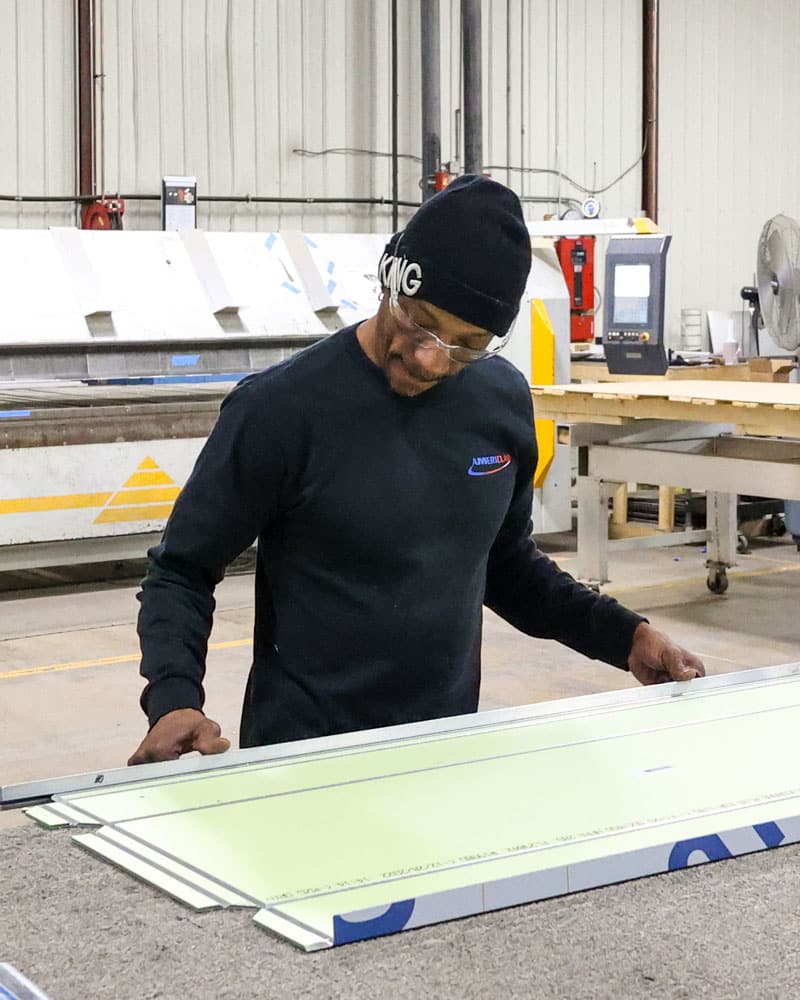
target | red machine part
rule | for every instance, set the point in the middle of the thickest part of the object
(576, 256)
(105, 213)
(441, 179)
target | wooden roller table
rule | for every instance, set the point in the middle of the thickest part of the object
(723, 438)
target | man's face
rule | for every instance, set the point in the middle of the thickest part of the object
(413, 360)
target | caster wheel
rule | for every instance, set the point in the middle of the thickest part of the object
(778, 526)
(742, 544)
(717, 581)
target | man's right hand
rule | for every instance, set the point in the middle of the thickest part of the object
(177, 733)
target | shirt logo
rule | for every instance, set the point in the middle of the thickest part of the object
(487, 465)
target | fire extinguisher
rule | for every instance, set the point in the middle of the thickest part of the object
(104, 213)
(576, 256)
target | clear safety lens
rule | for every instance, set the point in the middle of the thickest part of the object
(486, 346)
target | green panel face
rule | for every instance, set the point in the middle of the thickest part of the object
(255, 780)
(377, 829)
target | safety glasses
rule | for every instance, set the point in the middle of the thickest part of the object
(460, 353)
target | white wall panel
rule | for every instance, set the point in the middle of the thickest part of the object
(229, 90)
(730, 141)
(572, 73)
(37, 97)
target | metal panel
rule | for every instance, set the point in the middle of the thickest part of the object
(641, 804)
(37, 110)
(231, 92)
(572, 73)
(730, 142)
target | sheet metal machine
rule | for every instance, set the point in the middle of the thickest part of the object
(111, 381)
(116, 349)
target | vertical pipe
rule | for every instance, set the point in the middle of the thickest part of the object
(395, 158)
(471, 55)
(650, 44)
(431, 94)
(85, 130)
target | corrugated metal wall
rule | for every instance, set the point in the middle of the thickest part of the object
(562, 94)
(37, 110)
(232, 90)
(730, 141)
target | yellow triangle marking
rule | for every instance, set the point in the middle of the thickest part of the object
(125, 497)
(147, 495)
(124, 515)
(149, 473)
(150, 486)
(154, 478)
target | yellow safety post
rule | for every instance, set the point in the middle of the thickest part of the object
(543, 372)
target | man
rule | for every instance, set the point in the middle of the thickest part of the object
(386, 473)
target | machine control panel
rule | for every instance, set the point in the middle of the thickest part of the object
(628, 336)
(633, 335)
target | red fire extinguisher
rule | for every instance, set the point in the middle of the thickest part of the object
(576, 256)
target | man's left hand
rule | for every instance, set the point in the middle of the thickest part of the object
(655, 659)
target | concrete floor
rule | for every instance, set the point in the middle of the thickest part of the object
(69, 681)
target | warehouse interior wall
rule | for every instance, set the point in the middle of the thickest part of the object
(292, 99)
(37, 111)
(729, 156)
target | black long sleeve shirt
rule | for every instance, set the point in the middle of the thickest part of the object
(384, 523)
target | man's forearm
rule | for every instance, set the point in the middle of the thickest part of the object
(174, 624)
(532, 593)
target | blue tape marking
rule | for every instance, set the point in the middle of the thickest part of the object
(393, 920)
(712, 846)
(140, 380)
(171, 379)
(310, 242)
(349, 304)
(331, 285)
(331, 266)
(291, 287)
(770, 833)
(184, 360)
(14, 414)
(269, 242)
(195, 379)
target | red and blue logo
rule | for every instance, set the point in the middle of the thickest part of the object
(487, 465)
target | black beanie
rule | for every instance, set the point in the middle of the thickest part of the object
(465, 250)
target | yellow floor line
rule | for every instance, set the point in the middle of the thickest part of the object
(53, 668)
(103, 661)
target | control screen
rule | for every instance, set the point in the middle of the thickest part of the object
(631, 294)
